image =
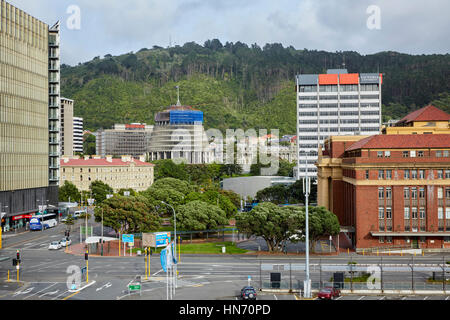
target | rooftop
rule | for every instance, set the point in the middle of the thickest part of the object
(402, 141)
(428, 113)
(107, 162)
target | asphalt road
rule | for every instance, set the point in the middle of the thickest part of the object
(44, 273)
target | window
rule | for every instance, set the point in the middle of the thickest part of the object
(440, 193)
(387, 154)
(388, 174)
(388, 213)
(414, 174)
(414, 193)
(438, 153)
(406, 213)
(413, 153)
(421, 174)
(423, 240)
(440, 174)
(414, 213)
(406, 174)
(420, 154)
(447, 193)
(367, 174)
(381, 239)
(389, 239)
(447, 213)
(380, 193)
(447, 174)
(422, 193)
(422, 213)
(380, 174)
(380, 154)
(406, 193)
(440, 213)
(380, 213)
(446, 239)
(405, 154)
(388, 193)
(445, 153)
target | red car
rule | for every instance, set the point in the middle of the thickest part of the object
(329, 293)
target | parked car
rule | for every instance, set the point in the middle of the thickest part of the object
(65, 242)
(248, 293)
(329, 293)
(78, 213)
(55, 245)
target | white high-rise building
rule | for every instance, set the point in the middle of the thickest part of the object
(77, 134)
(335, 103)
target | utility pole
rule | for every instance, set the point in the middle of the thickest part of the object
(306, 190)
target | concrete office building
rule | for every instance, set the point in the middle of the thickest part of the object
(77, 141)
(66, 130)
(335, 103)
(179, 134)
(124, 139)
(29, 114)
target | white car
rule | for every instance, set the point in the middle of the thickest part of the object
(55, 245)
(77, 214)
(65, 242)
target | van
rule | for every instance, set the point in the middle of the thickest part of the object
(78, 213)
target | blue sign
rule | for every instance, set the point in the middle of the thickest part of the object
(128, 238)
(162, 239)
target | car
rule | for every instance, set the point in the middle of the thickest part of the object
(248, 293)
(78, 213)
(55, 245)
(65, 242)
(329, 293)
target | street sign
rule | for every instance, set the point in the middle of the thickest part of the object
(156, 239)
(128, 238)
(134, 287)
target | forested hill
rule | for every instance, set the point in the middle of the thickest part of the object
(239, 86)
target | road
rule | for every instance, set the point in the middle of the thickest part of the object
(44, 273)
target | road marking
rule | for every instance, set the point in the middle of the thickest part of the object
(275, 297)
(70, 296)
(41, 290)
(447, 298)
(60, 295)
(404, 298)
(109, 284)
(338, 297)
(362, 298)
(23, 292)
(382, 298)
(425, 298)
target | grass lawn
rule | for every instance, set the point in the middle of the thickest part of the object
(203, 248)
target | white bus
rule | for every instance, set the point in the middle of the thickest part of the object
(45, 221)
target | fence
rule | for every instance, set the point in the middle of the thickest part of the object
(373, 277)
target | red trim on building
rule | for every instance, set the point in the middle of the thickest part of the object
(349, 78)
(328, 79)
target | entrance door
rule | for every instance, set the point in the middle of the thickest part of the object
(415, 243)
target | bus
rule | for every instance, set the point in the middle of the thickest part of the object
(37, 222)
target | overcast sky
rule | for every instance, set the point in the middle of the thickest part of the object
(121, 26)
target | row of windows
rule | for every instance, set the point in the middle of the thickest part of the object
(342, 88)
(335, 113)
(412, 174)
(412, 193)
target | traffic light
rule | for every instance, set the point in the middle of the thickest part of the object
(18, 255)
(151, 251)
(86, 256)
(146, 251)
(14, 262)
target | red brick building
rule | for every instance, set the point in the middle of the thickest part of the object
(388, 190)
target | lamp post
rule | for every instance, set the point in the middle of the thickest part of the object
(306, 191)
(43, 207)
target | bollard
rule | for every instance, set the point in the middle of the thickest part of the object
(389, 251)
(401, 252)
(377, 252)
(348, 251)
(363, 252)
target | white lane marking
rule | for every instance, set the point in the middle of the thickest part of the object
(275, 297)
(425, 298)
(382, 298)
(60, 295)
(339, 297)
(41, 290)
(49, 293)
(23, 292)
(447, 298)
(404, 298)
(362, 298)
(109, 284)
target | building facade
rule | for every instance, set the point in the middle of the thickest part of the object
(179, 134)
(389, 190)
(66, 130)
(132, 139)
(29, 139)
(335, 103)
(77, 141)
(126, 172)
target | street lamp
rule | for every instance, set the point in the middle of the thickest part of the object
(43, 207)
(306, 191)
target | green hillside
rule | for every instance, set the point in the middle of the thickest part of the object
(238, 86)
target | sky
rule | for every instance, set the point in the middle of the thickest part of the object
(91, 28)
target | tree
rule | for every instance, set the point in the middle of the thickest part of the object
(169, 169)
(198, 215)
(130, 190)
(99, 190)
(321, 223)
(273, 223)
(128, 214)
(171, 183)
(69, 191)
(89, 144)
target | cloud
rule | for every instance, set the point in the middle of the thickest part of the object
(116, 26)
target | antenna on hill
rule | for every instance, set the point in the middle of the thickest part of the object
(178, 96)
(343, 61)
